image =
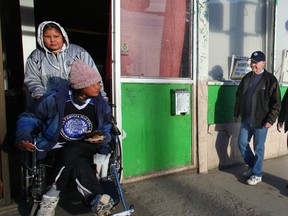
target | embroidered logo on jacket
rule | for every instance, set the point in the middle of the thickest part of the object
(74, 125)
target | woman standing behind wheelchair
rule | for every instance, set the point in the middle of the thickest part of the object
(65, 116)
(48, 66)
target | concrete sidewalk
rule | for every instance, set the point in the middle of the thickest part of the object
(222, 192)
(219, 192)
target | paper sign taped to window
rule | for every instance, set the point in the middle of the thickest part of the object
(284, 70)
(240, 65)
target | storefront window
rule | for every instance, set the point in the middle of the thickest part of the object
(237, 27)
(281, 49)
(155, 38)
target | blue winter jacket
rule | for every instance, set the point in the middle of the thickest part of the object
(48, 114)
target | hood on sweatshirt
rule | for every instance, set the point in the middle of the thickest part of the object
(40, 39)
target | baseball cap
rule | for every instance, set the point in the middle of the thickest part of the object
(257, 56)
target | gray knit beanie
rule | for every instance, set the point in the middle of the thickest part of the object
(82, 75)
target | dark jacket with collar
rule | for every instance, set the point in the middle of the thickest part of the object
(283, 116)
(266, 100)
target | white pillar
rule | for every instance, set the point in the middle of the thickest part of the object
(28, 27)
(201, 83)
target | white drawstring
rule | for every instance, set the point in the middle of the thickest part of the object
(38, 149)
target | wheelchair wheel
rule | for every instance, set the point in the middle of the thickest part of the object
(27, 187)
(116, 158)
(26, 181)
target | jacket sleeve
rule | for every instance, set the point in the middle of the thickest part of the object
(32, 77)
(25, 125)
(237, 106)
(36, 117)
(284, 108)
(105, 118)
(275, 103)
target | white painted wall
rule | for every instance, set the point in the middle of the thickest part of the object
(281, 34)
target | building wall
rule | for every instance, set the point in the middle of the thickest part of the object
(217, 23)
(223, 133)
(281, 44)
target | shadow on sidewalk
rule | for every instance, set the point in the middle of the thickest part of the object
(274, 181)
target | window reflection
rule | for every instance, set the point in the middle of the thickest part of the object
(236, 27)
(155, 38)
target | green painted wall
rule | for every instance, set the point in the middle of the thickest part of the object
(283, 90)
(153, 139)
(221, 100)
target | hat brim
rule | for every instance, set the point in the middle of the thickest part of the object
(254, 60)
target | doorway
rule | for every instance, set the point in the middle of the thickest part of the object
(87, 25)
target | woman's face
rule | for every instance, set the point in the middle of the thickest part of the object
(53, 39)
(92, 91)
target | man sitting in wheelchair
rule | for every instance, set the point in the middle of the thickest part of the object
(66, 117)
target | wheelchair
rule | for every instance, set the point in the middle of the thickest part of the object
(34, 183)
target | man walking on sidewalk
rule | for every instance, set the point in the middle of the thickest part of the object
(258, 102)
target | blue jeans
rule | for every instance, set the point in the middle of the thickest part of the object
(253, 160)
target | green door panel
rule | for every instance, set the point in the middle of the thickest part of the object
(153, 139)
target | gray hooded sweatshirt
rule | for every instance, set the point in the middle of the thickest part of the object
(45, 70)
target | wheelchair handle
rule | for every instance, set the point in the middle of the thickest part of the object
(115, 129)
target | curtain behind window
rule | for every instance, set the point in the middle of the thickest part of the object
(153, 35)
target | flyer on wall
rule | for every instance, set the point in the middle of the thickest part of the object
(240, 65)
